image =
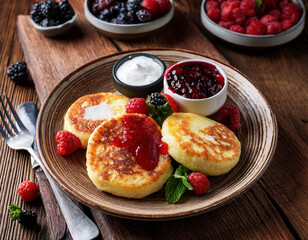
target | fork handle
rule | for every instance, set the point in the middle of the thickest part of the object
(80, 226)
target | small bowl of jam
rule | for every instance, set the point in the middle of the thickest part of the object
(198, 86)
(138, 74)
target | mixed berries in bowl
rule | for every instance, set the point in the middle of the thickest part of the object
(52, 18)
(254, 23)
(128, 19)
(198, 86)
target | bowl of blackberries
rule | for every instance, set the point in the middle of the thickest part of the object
(52, 18)
(128, 19)
(254, 23)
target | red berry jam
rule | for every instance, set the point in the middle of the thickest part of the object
(142, 139)
(195, 80)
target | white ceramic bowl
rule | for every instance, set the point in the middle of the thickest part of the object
(253, 40)
(127, 31)
(205, 106)
(54, 30)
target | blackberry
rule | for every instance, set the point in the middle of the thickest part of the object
(105, 15)
(121, 18)
(36, 16)
(50, 9)
(133, 5)
(144, 15)
(46, 22)
(18, 72)
(24, 217)
(94, 8)
(67, 12)
(157, 99)
(27, 218)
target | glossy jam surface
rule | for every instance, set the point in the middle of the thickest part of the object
(195, 80)
(142, 138)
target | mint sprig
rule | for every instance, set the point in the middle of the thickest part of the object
(15, 211)
(259, 3)
(159, 113)
(177, 184)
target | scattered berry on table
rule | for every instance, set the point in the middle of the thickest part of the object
(199, 182)
(51, 13)
(28, 191)
(67, 142)
(172, 102)
(18, 72)
(24, 217)
(137, 105)
(230, 116)
(157, 99)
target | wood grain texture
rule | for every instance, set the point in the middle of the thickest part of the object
(275, 208)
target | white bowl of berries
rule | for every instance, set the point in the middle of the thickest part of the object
(52, 18)
(128, 19)
(252, 23)
(198, 86)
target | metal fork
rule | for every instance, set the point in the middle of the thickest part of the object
(18, 137)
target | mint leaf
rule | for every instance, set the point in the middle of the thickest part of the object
(15, 211)
(177, 184)
(160, 113)
(174, 189)
(259, 3)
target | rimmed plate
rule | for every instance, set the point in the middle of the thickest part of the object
(258, 136)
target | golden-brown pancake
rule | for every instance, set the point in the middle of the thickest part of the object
(89, 111)
(201, 144)
(115, 170)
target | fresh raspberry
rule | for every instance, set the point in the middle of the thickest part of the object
(163, 6)
(238, 15)
(226, 25)
(67, 142)
(230, 116)
(249, 21)
(274, 27)
(137, 105)
(214, 15)
(286, 24)
(282, 3)
(28, 191)
(199, 182)
(290, 8)
(249, 7)
(151, 5)
(237, 28)
(226, 9)
(172, 102)
(103, 4)
(295, 17)
(211, 5)
(267, 19)
(256, 28)
(275, 13)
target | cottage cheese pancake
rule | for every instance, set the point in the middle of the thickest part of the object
(201, 144)
(113, 168)
(90, 111)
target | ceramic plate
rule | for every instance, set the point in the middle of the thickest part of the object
(258, 135)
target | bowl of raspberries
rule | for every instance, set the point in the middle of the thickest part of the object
(254, 23)
(128, 19)
(52, 18)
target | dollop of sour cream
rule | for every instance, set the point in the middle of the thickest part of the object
(139, 71)
(98, 112)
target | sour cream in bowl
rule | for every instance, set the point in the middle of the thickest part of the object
(138, 74)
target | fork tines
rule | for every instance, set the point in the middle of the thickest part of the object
(20, 126)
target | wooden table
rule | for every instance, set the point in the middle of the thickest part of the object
(276, 207)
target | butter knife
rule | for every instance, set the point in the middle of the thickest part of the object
(27, 113)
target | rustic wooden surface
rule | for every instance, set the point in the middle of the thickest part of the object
(275, 208)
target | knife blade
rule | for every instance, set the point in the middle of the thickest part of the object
(28, 114)
(57, 227)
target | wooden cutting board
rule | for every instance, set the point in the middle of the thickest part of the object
(51, 59)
